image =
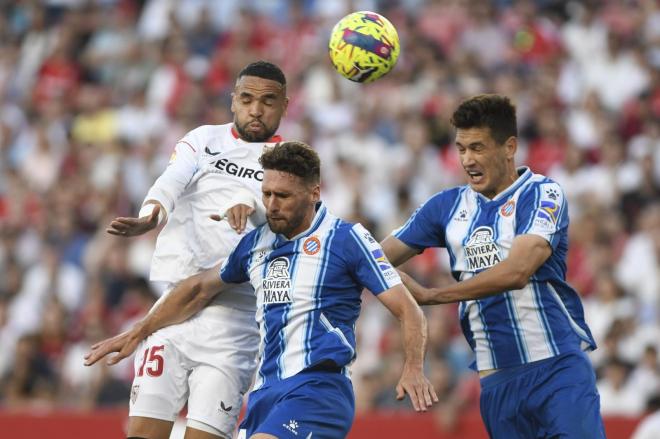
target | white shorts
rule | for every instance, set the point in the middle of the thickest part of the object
(208, 361)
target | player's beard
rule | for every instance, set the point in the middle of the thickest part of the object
(286, 227)
(250, 136)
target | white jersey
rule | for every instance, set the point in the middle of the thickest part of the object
(211, 169)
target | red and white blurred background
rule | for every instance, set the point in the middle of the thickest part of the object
(94, 94)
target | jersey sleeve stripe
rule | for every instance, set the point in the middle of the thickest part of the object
(369, 258)
(191, 147)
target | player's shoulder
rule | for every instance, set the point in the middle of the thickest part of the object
(543, 186)
(444, 198)
(343, 230)
(207, 131)
(354, 237)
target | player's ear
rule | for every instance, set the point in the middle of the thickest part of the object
(511, 146)
(316, 193)
(233, 98)
(285, 105)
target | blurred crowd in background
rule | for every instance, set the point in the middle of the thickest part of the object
(95, 93)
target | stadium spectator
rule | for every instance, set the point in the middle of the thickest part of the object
(53, 54)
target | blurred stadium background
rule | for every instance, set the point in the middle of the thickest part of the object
(94, 94)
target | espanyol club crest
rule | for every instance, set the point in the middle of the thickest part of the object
(311, 246)
(508, 208)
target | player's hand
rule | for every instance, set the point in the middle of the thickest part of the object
(124, 343)
(236, 216)
(423, 296)
(417, 386)
(126, 226)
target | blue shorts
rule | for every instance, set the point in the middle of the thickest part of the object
(555, 397)
(311, 404)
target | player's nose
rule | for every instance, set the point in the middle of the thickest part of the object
(256, 109)
(467, 159)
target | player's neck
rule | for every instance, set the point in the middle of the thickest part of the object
(304, 225)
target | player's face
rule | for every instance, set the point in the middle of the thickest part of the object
(258, 105)
(489, 166)
(290, 203)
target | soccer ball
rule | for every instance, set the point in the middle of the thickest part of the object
(363, 46)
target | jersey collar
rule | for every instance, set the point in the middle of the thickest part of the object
(276, 138)
(524, 173)
(316, 222)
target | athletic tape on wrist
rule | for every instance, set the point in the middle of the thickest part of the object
(147, 209)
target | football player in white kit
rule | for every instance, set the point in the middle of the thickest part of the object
(209, 360)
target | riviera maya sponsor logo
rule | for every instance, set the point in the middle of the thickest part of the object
(481, 251)
(277, 283)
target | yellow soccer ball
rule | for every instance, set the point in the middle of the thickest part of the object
(363, 46)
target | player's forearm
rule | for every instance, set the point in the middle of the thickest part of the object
(505, 276)
(185, 300)
(413, 326)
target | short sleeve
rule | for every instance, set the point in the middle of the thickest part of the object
(180, 170)
(367, 262)
(425, 227)
(234, 270)
(543, 212)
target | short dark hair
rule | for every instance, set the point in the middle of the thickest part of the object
(495, 112)
(265, 70)
(295, 158)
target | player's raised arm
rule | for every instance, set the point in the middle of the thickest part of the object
(413, 325)
(151, 214)
(187, 298)
(527, 254)
(162, 196)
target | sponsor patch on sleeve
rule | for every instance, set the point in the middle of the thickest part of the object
(381, 260)
(546, 217)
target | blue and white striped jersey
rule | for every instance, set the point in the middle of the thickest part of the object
(308, 291)
(541, 320)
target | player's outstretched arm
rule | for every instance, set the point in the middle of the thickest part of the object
(413, 324)
(396, 251)
(127, 226)
(184, 301)
(527, 254)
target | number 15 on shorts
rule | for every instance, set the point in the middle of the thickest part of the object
(152, 362)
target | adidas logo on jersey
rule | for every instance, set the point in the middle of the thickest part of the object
(277, 283)
(480, 251)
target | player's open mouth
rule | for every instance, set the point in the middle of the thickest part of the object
(475, 176)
